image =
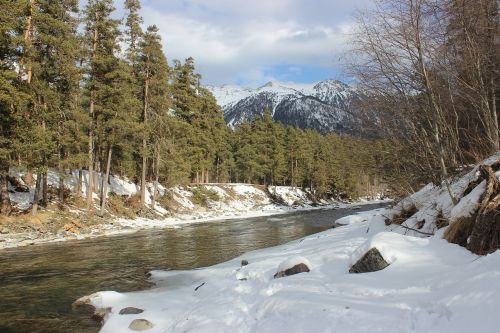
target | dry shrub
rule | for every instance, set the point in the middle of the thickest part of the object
(168, 202)
(117, 205)
(134, 201)
(404, 215)
(232, 194)
(202, 196)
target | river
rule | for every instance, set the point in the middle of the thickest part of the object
(39, 283)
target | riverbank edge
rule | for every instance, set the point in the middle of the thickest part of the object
(121, 226)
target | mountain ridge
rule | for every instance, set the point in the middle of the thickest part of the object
(324, 105)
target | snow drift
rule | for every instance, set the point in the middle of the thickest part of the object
(429, 286)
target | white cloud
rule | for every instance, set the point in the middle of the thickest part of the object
(235, 40)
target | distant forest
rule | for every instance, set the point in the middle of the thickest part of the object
(81, 90)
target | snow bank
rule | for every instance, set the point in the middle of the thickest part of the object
(430, 286)
(233, 198)
(433, 203)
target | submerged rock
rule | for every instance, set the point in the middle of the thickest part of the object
(299, 268)
(130, 310)
(371, 261)
(141, 325)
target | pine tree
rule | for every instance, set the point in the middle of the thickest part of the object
(11, 98)
(103, 65)
(185, 85)
(154, 76)
(133, 33)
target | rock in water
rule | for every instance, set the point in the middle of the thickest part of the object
(299, 268)
(372, 261)
(130, 310)
(244, 262)
(141, 325)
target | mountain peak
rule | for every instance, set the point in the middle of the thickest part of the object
(321, 106)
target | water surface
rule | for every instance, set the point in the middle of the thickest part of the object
(39, 283)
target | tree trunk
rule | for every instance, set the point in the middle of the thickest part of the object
(496, 139)
(157, 177)
(36, 197)
(5, 205)
(27, 33)
(433, 105)
(79, 186)
(61, 188)
(105, 180)
(90, 180)
(45, 199)
(144, 143)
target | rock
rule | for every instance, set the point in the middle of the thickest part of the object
(141, 325)
(130, 310)
(101, 314)
(371, 261)
(299, 268)
(244, 262)
(4, 231)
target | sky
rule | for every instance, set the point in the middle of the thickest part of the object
(251, 42)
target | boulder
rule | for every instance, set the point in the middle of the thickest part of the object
(141, 325)
(244, 262)
(130, 310)
(293, 269)
(371, 261)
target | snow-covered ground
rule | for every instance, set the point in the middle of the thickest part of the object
(430, 285)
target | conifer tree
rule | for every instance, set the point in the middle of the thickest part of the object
(51, 52)
(154, 75)
(11, 97)
(102, 44)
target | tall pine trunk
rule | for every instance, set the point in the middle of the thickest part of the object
(105, 181)
(61, 187)
(45, 199)
(157, 177)
(5, 205)
(36, 197)
(90, 180)
(27, 33)
(144, 143)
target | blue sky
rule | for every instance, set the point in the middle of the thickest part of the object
(253, 42)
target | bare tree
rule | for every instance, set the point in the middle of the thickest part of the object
(405, 56)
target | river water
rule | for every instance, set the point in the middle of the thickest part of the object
(39, 283)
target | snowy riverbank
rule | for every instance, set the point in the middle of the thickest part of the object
(174, 207)
(430, 286)
(386, 270)
(119, 226)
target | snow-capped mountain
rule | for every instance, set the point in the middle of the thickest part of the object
(323, 106)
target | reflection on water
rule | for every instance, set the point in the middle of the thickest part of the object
(39, 283)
